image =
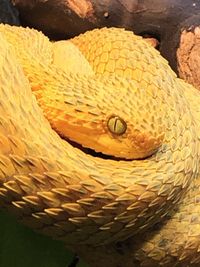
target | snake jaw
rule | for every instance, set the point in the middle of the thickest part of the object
(130, 145)
(134, 143)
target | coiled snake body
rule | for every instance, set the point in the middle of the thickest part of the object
(120, 98)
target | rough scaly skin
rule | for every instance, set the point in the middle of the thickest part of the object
(61, 191)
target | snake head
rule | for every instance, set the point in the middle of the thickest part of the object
(121, 119)
(122, 138)
(131, 120)
(127, 141)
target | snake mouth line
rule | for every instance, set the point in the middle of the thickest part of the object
(92, 152)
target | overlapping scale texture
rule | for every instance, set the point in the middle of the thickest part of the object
(61, 191)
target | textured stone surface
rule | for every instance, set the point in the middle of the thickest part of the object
(184, 49)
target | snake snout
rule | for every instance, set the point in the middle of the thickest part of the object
(146, 144)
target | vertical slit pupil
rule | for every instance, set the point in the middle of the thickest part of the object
(116, 125)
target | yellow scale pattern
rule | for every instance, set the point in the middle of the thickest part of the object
(59, 190)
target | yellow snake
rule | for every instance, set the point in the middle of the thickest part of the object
(119, 97)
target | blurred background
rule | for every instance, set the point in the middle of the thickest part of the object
(21, 247)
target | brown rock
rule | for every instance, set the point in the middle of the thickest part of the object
(164, 20)
(184, 52)
(67, 18)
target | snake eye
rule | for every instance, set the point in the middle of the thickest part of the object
(116, 125)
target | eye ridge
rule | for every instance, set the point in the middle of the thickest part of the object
(116, 125)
